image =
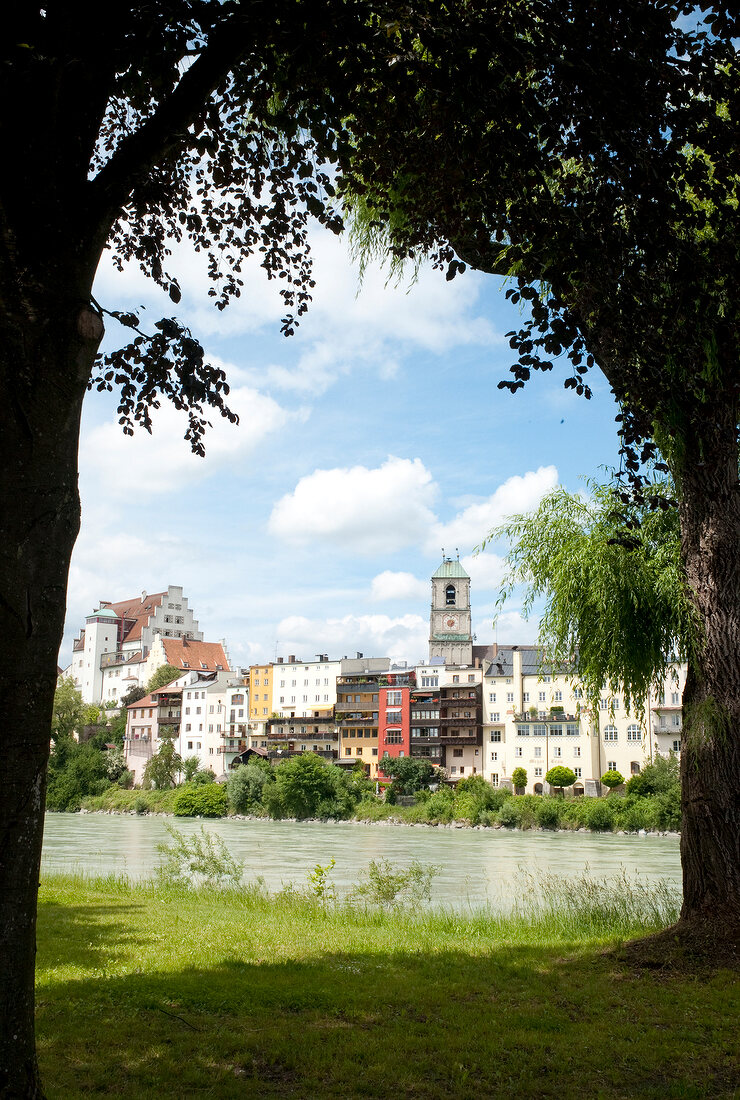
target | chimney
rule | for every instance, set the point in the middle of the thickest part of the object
(291, 659)
(359, 655)
(143, 594)
(280, 660)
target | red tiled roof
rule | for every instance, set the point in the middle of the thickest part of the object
(137, 609)
(151, 700)
(147, 701)
(201, 656)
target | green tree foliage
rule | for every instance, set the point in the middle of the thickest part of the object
(560, 777)
(75, 771)
(623, 610)
(519, 778)
(201, 800)
(409, 774)
(612, 779)
(132, 696)
(162, 676)
(164, 767)
(245, 786)
(308, 786)
(69, 711)
(660, 777)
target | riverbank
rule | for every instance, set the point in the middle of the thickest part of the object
(156, 991)
(614, 813)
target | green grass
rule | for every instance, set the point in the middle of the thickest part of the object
(151, 991)
(122, 801)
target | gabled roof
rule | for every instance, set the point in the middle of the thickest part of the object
(138, 609)
(200, 656)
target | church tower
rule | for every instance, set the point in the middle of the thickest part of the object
(450, 635)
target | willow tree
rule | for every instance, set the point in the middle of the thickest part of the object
(590, 152)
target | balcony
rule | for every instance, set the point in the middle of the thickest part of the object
(459, 739)
(301, 735)
(169, 720)
(357, 720)
(547, 717)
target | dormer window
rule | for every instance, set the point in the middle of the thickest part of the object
(450, 595)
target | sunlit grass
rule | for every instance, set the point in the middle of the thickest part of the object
(151, 990)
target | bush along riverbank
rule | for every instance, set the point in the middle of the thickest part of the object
(304, 787)
(200, 983)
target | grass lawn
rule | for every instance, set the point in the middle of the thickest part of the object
(155, 991)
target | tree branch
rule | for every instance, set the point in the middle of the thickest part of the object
(162, 134)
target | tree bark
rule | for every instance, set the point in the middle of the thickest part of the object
(48, 339)
(710, 746)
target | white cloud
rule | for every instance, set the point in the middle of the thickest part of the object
(486, 570)
(469, 527)
(370, 511)
(162, 462)
(398, 586)
(513, 629)
(403, 638)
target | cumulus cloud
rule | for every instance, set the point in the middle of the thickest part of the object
(486, 570)
(398, 586)
(163, 461)
(367, 510)
(470, 526)
(403, 638)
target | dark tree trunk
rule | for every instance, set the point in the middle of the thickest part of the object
(48, 339)
(710, 746)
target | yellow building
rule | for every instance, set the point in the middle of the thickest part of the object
(260, 693)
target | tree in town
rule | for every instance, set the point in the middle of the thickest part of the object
(519, 779)
(164, 767)
(68, 710)
(409, 774)
(559, 777)
(612, 779)
(623, 609)
(132, 696)
(303, 785)
(162, 676)
(589, 153)
(245, 785)
(170, 127)
(75, 771)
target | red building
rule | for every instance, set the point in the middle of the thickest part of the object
(394, 715)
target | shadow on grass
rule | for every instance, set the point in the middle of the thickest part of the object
(515, 1022)
(87, 936)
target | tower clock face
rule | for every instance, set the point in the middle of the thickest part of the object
(451, 622)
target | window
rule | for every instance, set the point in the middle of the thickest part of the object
(557, 751)
(634, 768)
(539, 730)
(393, 717)
(495, 735)
(471, 678)
(577, 772)
(610, 734)
(187, 729)
(576, 750)
(611, 765)
(393, 737)
(494, 779)
(676, 721)
(496, 716)
(674, 698)
(558, 696)
(456, 679)
(572, 730)
(492, 697)
(457, 752)
(577, 693)
(538, 750)
(634, 733)
(509, 696)
(676, 746)
(393, 698)
(494, 756)
(542, 697)
(525, 696)
(522, 731)
(450, 595)
(518, 750)
(190, 744)
(537, 772)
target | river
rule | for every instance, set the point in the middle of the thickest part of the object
(476, 866)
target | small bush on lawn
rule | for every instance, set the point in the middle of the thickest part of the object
(210, 800)
(601, 816)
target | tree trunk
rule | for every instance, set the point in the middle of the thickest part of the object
(710, 746)
(48, 339)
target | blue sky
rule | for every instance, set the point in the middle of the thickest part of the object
(368, 441)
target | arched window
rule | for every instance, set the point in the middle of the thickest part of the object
(634, 733)
(450, 595)
(610, 733)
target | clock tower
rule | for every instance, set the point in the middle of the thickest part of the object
(450, 633)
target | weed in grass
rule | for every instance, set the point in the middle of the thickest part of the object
(383, 884)
(202, 859)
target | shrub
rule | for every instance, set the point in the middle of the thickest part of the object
(600, 815)
(612, 779)
(199, 860)
(384, 884)
(519, 778)
(245, 787)
(660, 777)
(547, 813)
(560, 777)
(441, 806)
(210, 800)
